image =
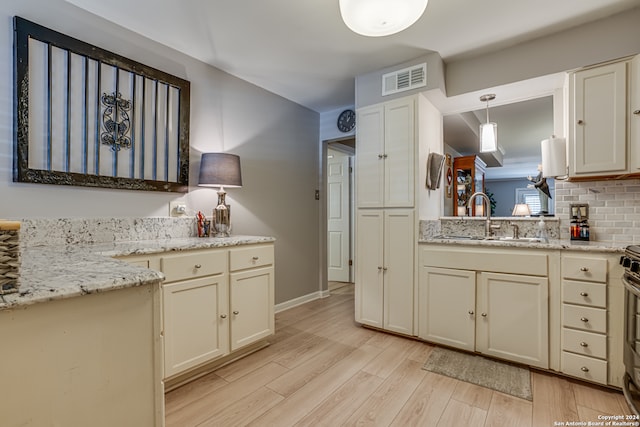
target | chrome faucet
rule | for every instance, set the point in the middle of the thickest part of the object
(488, 230)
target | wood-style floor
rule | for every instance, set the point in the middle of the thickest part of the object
(322, 369)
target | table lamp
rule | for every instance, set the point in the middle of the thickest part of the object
(220, 170)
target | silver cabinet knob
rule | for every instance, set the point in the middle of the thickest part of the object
(255, 258)
(484, 315)
(471, 312)
(580, 122)
(379, 268)
(637, 112)
(223, 316)
(584, 294)
(236, 312)
(584, 319)
(380, 156)
(584, 344)
(198, 266)
(584, 369)
(384, 268)
(584, 269)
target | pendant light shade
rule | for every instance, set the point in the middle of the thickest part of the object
(376, 18)
(489, 130)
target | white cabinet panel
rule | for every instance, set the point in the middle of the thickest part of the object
(447, 307)
(513, 320)
(252, 301)
(369, 267)
(196, 322)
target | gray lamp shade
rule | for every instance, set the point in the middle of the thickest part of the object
(220, 170)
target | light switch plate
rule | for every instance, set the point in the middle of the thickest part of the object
(177, 209)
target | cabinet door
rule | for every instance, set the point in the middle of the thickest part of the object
(399, 157)
(398, 270)
(252, 300)
(599, 121)
(634, 117)
(369, 267)
(195, 322)
(369, 158)
(514, 321)
(447, 303)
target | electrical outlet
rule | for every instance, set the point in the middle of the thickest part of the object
(177, 209)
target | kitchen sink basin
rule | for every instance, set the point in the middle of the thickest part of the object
(503, 238)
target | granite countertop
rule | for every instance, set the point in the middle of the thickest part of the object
(55, 272)
(564, 244)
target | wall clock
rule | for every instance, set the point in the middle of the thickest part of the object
(347, 121)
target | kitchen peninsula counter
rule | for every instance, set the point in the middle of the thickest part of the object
(56, 272)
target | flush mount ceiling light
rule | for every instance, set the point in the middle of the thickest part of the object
(376, 18)
(488, 130)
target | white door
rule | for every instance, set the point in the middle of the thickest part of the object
(369, 263)
(338, 230)
(370, 157)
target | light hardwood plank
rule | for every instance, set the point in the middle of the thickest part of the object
(387, 401)
(245, 409)
(335, 409)
(599, 398)
(180, 397)
(427, 403)
(473, 395)
(461, 414)
(509, 411)
(553, 399)
(299, 404)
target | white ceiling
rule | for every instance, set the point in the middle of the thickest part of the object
(301, 49)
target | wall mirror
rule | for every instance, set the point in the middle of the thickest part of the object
(521, 127)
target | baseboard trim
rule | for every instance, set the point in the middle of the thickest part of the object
(301, 300)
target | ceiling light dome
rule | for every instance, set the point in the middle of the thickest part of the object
(376, 18)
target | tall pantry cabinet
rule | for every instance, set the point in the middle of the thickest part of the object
(386, 219)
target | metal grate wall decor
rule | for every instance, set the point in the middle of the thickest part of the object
(86, 116)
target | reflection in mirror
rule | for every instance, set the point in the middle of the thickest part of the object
(512, 174)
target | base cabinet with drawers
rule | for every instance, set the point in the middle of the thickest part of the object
(591, 336)
(214, 302)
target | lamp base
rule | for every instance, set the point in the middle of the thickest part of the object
(221, 217)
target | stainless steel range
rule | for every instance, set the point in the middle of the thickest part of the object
(631, 279)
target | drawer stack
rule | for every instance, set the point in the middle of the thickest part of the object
(584, 318)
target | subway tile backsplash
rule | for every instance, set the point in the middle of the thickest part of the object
(614, 208)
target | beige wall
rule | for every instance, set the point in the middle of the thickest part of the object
(276, 139)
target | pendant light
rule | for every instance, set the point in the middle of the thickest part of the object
(376, 18)
(488, 130)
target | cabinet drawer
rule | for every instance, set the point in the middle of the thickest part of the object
(193, 265)
(584, 367)
(250, 257)
(585, 293)
(585, 318)
(582, 268)
(584, 343)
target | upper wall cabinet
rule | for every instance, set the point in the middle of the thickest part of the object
(385, 164)
(603, 114)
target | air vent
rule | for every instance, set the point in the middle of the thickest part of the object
(405, 79)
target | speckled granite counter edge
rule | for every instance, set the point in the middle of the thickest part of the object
(554, 244)
(50, 273)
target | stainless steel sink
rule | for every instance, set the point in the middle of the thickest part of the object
(502, 238)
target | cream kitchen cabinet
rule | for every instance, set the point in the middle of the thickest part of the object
(252, 294)
(384, 271)
(385, 161)
(604, 114)
(592, 306)
(216, 303)
(195, 309)
(492, 301)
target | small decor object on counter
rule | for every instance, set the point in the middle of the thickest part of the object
(9, 256)
(580, 222)
(203, 225)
